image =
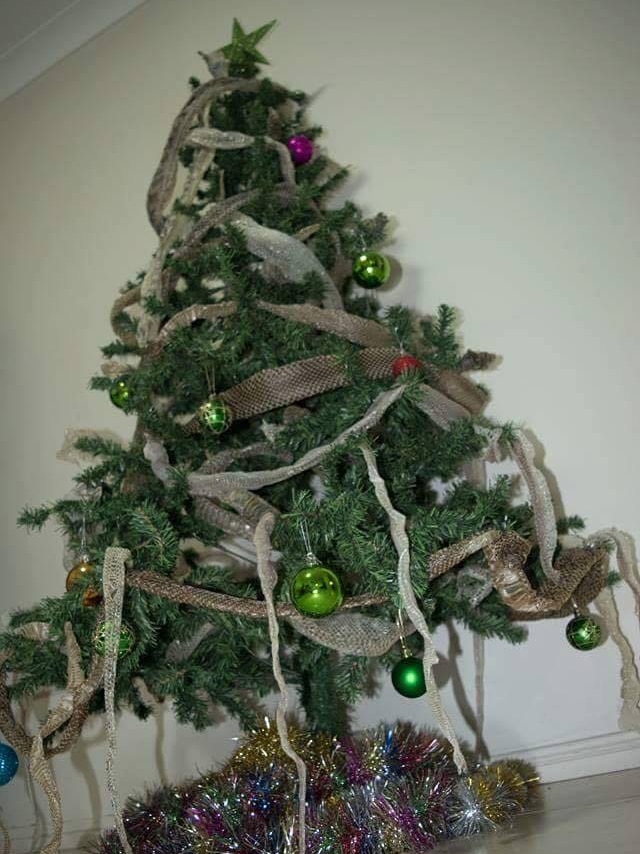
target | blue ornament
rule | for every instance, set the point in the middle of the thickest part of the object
(8, 764)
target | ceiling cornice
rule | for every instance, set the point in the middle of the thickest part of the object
(56, 38)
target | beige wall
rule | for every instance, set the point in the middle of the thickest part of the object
(501, 135)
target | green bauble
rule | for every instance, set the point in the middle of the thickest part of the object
(125, 640)
(119, 392)
(371, 269)
(408, 677)
(215, 415)
(316, 591)
(584, 633)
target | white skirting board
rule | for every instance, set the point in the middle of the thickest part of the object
(601, 754)
(616, 751)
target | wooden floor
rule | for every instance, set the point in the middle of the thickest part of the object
(589, 816)
(595, 815)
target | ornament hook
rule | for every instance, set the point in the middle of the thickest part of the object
(304, 532)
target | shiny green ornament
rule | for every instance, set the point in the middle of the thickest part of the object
(126, 639)
(371, 269)
(316, 591)
(407, 677)
(119, 392)
(584, 633)
(215, 415)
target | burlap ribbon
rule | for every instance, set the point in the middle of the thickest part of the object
(70, 453)
(268, 580)
(215, 485)
(351, 327)
(397, 525)
(65, 719)
(629, 718)
(351, 634)
(455, 396)
(164, 180)
(544, 515)
(290, 255)
(174, 227)
(113, 573)
(579, 573)
(158, 584)
(41, 772)
(479, 662)
(273, 388)
(605, 603)
(213, 139)
(625, 558)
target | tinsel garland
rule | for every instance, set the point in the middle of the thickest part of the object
(391, 790)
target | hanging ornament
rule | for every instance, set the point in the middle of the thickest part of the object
(583, 633)
(371, 269)
(78, 571)
(8, 763)
(315, 589)
(300, 148)
(119, 392)
(407, 677)
(125, 640)
(405, 364)
(91, 598)
(83, 567)
(215, 415)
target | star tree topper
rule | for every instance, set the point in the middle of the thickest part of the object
(242, 50)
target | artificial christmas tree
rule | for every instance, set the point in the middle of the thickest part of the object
(288, 425)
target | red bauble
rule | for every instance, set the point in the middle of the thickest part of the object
(405, 363)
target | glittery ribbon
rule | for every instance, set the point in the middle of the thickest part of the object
(625, 558)
(113, 573)
(70, 710)
(442, 410)
(173, 228)
(41, 772)
(164, 180)
(605, 603)
(544, 515)
(268, 580)
(397, 524)
(212, 139)
(629, 682)
(33, 631)
(291, 257)
(453, 399)
(479, 661)
(69, 453)
(216, 485)
(351, 634)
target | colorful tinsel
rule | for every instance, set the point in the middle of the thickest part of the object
(392, 790)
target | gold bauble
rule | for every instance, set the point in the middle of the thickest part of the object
(78, 571)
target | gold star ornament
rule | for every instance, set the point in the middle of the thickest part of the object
(242, 52)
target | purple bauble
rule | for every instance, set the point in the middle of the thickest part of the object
(300, 148)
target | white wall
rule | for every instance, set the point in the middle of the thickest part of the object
(502, 135)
